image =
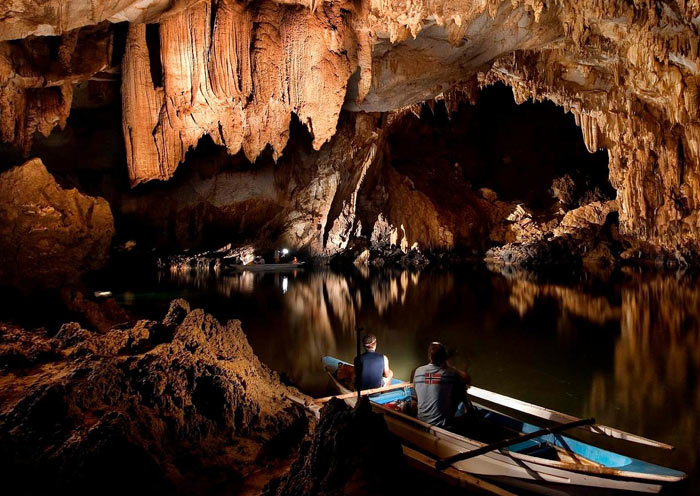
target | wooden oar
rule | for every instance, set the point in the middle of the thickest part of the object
(561, 418)
(365, 392)
(451, 475)
(446, 462)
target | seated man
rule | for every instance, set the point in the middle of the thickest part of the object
(371, 368)
(440, 388)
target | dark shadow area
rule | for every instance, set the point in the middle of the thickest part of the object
(515, 150)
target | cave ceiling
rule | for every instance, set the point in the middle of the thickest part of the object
(237, 71)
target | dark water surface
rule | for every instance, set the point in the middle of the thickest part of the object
(622, 349)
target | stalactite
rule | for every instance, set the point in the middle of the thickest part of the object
(36, 92)
(302, 60)
(237, 71)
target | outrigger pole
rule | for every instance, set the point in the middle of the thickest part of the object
(358, 330)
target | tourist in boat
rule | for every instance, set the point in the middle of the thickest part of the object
(372, 368)
(440, 388)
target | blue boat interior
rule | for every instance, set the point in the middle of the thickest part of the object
(546, 446)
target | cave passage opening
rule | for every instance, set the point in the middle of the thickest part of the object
(524, 152)
(449, 179)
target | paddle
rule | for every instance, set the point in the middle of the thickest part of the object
(446, 462)
(365, 392)
(357, 371)
(452, 475)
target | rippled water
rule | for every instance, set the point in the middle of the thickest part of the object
(624, 349)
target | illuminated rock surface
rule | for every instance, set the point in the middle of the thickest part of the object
(49, 235)
(180, 404)
(237, 72)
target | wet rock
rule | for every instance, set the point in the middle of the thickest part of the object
(209, 260)
(49, 236)
(101, 315)
(384, 235)
(350, 450)
(591, 246)
(19, 349)
(564, 190)
(176, 406)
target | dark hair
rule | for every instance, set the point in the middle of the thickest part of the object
(437, 353)
(368, 340)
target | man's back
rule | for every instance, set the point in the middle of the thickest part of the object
(439, 391)
(370, 367)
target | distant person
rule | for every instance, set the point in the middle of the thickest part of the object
(439, 388)
(372, 368)
(295, 261)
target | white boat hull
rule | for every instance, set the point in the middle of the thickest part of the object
(440, 443)
(510, 468)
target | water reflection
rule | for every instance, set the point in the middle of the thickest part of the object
(623, 348)
(654, 387)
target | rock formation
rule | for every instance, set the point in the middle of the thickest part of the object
(180, 405)
(238, 71)
(37, 77)
(350, 451)
(49, 236)
(307, 200)
(235, 73)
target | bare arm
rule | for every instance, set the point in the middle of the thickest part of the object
(388, 373)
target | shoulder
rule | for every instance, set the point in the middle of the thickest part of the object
(422, 369)
(451, 371)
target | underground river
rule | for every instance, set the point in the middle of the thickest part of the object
(623, 348)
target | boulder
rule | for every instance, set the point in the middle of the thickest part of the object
(49, 236)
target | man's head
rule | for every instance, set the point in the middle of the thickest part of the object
(437, 354)
(369, 341)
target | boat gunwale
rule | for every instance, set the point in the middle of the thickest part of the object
(462, 440)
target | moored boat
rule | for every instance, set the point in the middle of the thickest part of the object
(551, 464)
(272, 267)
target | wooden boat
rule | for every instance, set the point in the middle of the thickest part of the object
(272, 267)
(551, 464)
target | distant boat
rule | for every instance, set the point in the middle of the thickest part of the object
(273, 267)
(550, 464)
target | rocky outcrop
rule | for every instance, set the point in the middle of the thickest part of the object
(181, 405)
(351, 451)
(49, 236)
(587, 235)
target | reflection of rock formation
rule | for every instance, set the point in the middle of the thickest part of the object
(321, 309)
(596, 309)
(49, 235)
(227, 285)
(657, 356)
(392, 288)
